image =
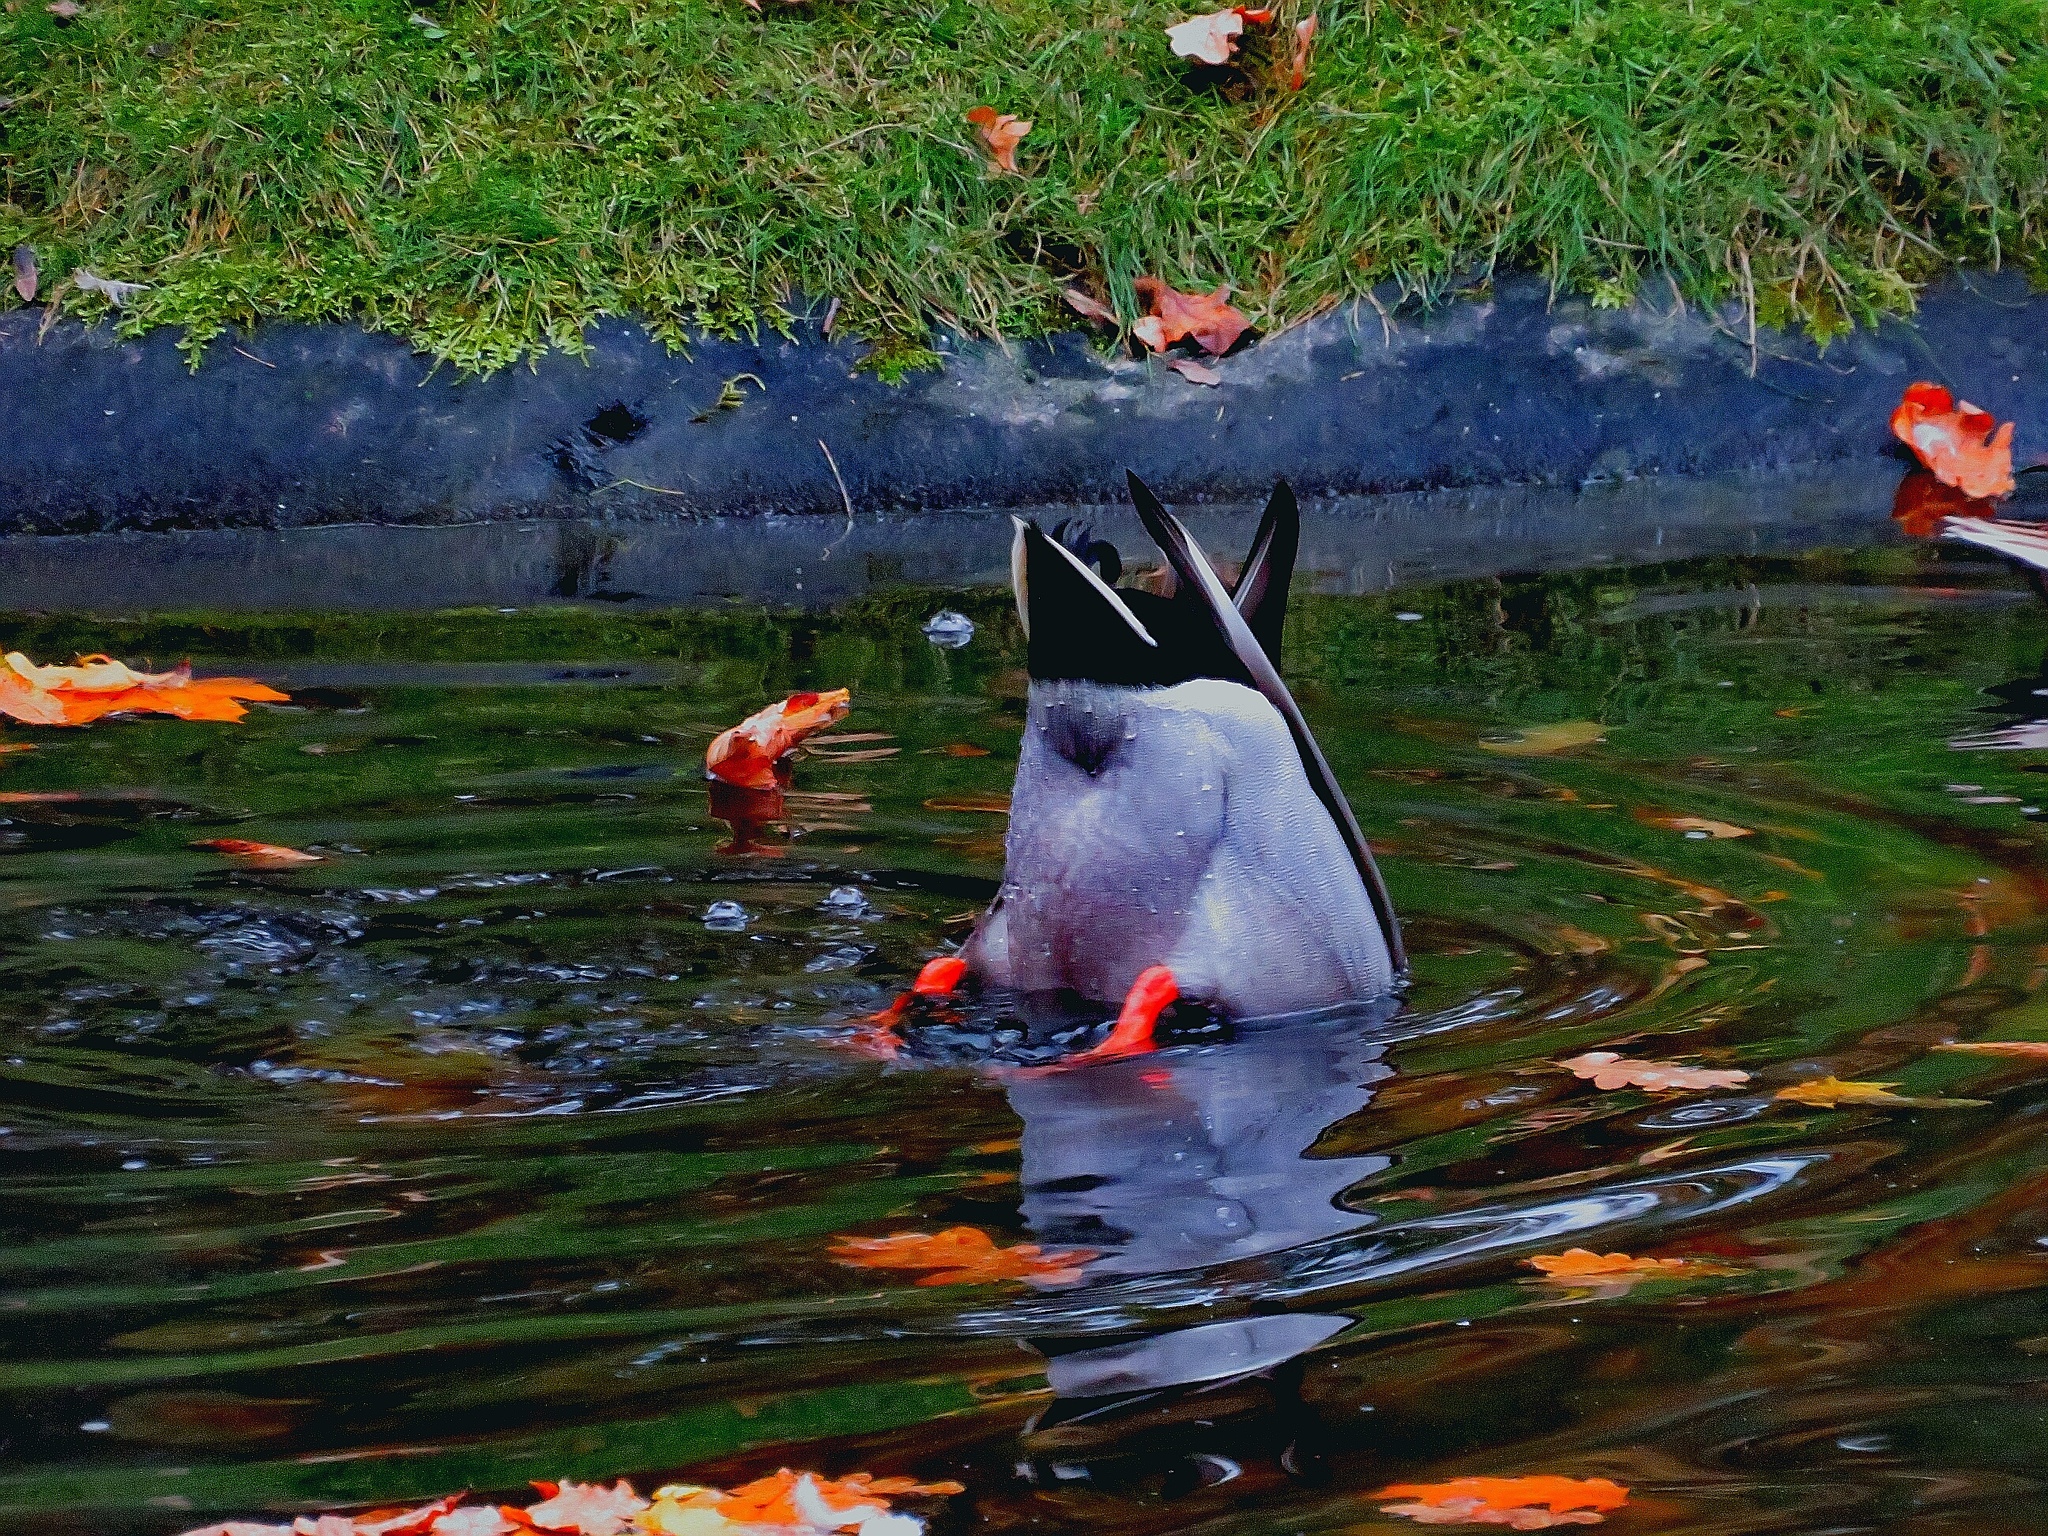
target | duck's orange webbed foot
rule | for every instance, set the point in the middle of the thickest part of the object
(1151, 994)
(938, 978)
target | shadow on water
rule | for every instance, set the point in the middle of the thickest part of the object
(525, 1135)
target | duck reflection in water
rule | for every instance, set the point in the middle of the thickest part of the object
(1179, 1161)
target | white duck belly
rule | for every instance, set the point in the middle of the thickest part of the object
(1175, 826)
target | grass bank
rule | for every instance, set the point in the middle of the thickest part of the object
(488, 176)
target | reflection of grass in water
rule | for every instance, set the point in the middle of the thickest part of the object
(715, 1214)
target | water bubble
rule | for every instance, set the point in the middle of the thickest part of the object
(95, 1426)
(844, 958)
(846, 901)
(1711, 1112)
(726, 917)
(949, 630)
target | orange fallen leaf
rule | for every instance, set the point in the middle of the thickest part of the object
(1998, 1047)
(16, 746)
(1955, 440)
(1002, 132)
(1212, 38)
(1304, 39)
(1213, 324)
(799, 1502)
(1524, 1503)
(950, 749)
(1194, 372)
(1828, 1092)
(439, 1517)
(1609, 1069)
(263, 855)
(1922, 501)
(962, 1256)
(1584, 1264)
(747, 754)
(584, 1509)
(99, 685)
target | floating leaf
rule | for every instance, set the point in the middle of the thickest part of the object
(1194, 372)
(1002, 132)
(1829, 1092)
(1693, 826)
(1542, 740)
(1524, 1503)
(584, 1509)
(957, 749)
(25, 274)
(99, 685)
(1304, 40)
(1584, 1264)
(1982, 1047)
(263, 855)
(1608, 1069)
(962, 1256)
(791, 1501)
(1963, 446)
(747, 754)
(1213, 324)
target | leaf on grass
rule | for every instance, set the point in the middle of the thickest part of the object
(99, 685)
(1982, 1047)
(1304, 39)
(25, 274)
(962, 1256)
(1088, 305)
(1584, 1264)
(1212, 39)
(431, 28)
(1213, 324)
(1194, 372)
(1524, 1503)
(747, 754)
(1701, 826)
(1609, 1069)
(116, 294)
(1829, 1092)
(1002, 132)
(263, 855)
(66, 11)
(1962, 446)
(1542, 740)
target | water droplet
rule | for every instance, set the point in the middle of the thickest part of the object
(726, 917)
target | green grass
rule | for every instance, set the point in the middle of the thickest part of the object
(491, 181)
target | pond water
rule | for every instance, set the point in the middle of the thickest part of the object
(494, 1147)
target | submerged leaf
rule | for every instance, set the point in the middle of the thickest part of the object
(1609, 1069)
(1963, 446)
(1828, 1092)
(1993, 1047)
(962, 1256)
(1584, 1264)
(1693, 826)
(263, 855)
(1002, 132)
(747, 754)
(1542, 740)
(1523, 1503)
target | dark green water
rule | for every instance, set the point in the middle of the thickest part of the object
(473, 1155)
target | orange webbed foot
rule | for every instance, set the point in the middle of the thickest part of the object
(1150, 995)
